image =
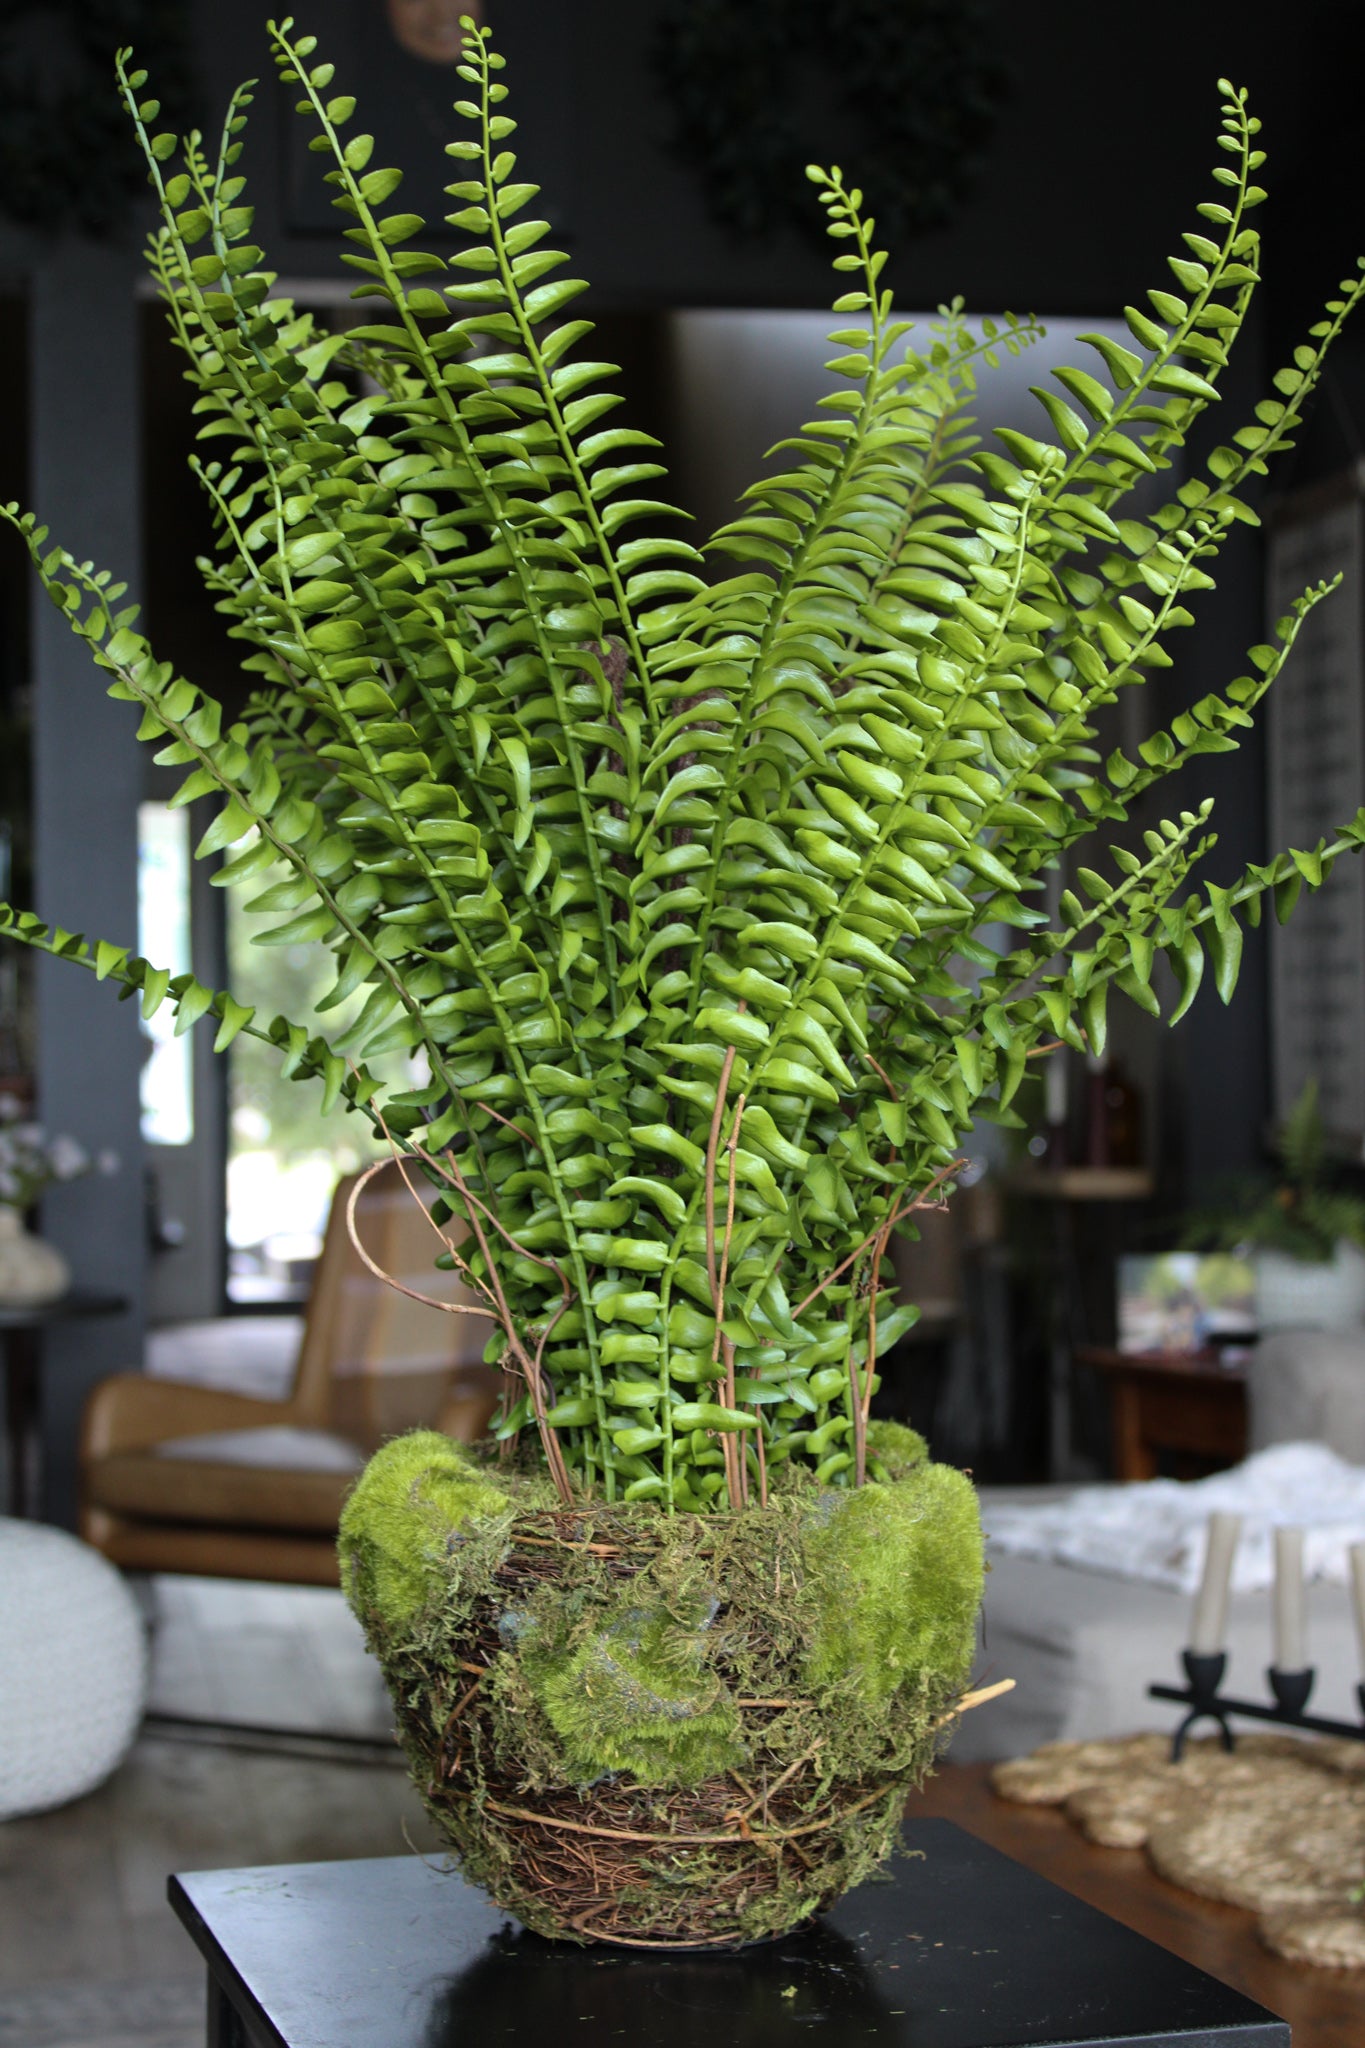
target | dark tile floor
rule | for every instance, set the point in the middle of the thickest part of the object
(90, 1954)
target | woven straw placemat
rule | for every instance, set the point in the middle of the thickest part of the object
(1278, 1826)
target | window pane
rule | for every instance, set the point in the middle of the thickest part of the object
(284, 1156)
(163, 937)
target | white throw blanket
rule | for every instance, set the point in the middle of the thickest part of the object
(1155, 1529)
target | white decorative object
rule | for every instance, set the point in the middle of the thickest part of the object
(73, 1668)
(1357, 1556)
(30, 1270)
(1209, 1627)
(1291, 1643)
(1294, 1294)
(30, 1161)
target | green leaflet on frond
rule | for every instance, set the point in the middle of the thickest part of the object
(593, 464)
(191, 1000)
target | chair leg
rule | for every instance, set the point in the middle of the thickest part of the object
(142, 1586)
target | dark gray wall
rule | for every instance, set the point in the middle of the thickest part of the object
(1215, 1094)
(87, 781)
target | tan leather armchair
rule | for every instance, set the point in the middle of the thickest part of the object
(183, 1478)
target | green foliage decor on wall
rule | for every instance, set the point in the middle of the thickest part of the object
(688, 893)
(914, 83)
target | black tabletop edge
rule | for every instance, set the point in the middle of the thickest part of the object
(77, 1301)
(1277, 2029)
(225, 1971)
(1254, 2027)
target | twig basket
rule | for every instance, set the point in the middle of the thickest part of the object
(668, 1732)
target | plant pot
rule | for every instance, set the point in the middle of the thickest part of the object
(686, 1731)
(31, 1272)
(1295, 1294)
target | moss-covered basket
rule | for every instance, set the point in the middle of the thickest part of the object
(679, 1731)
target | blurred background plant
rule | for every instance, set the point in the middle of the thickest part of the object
(31, 1161)
(1304, 1209)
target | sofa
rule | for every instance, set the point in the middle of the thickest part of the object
(1083, 1646)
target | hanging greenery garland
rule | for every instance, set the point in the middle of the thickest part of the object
(910, 84)
(66, 158)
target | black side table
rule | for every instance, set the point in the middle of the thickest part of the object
(961, 1948)
(21, 1331)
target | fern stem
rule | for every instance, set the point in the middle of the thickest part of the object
(496, 518)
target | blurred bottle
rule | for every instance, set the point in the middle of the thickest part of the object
(1055, 1150)
(1113, 1115)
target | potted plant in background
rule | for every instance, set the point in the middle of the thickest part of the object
(686, 899)
(1303, 1229)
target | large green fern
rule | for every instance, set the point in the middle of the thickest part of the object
(687, 894)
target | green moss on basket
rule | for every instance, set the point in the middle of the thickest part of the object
(639, 1695)
(858, 1606)
(899, 1571)
(416, 1493)
(893, 1451)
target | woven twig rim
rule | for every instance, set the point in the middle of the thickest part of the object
(742, 1836)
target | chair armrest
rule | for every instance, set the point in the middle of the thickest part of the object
(131, 1412)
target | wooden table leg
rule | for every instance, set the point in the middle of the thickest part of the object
(19, 1349)
(1062, 1339)
(1134, 1457)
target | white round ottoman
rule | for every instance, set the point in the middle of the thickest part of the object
(73, 1668)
